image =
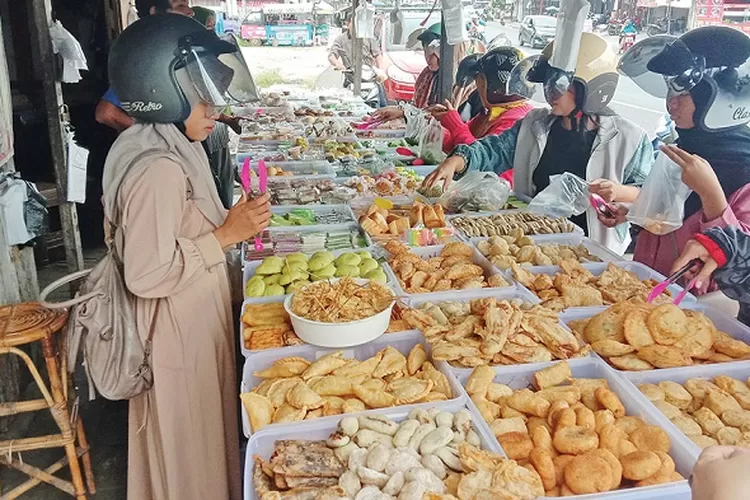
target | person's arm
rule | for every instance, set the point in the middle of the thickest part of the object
(635, 172)
(110, 115)
(335, 61)
(494, 153)
(730, 249)
(456, 131)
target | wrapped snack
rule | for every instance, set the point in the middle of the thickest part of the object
(476, 191)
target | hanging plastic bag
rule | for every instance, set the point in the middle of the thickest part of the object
(660, 206)
(476, 192)
(431, 143)
(416, 123)
(364, 20)
(66, 45)
(453, 19)
(567, 195)
(24, 210)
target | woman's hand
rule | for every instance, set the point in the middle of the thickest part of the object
(445, 172)
(387, 114)
(698, 175)
(233, 122)
(694, 250)
(621, 213)
(721, 474)
(244, 220)
(438, 111)
(605, 188)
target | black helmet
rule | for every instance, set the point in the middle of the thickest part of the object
(467, 70)
(163, 64)
(506, 76)
(711, 63)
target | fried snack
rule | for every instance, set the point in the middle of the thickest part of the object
(294, 389)
(661, 337)
(453, 269)
(503, 251)
(575, 440)
(614, 464)
(267, 326)
(575, 286)
(588, 474)
(514, 224)
(712, 411)
(650, 438)
(341, 302)
(640, 465)
(610, 401)
(493, 332)
(556, 374)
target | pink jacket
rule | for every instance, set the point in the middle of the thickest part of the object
(660, 252)
(459, 132)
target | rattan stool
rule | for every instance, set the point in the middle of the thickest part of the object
(22, 324)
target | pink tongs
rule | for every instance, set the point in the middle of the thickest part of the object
(601, 206)
(673, 278)
(247, 185)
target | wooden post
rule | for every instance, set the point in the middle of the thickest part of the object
(41, 46)
(447, 65)
(356, 53)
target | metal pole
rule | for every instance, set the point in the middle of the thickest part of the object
(356, 52)
(447, 65)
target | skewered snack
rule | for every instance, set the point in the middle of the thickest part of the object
(453, 269)
(709, 412)
(504, 251)
(504, 224)
(493, 332)
(296, 389)
(574, 432)
(575, 286)
(636, 336)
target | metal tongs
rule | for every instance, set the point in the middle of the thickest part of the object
(602, 206)
(673, 278)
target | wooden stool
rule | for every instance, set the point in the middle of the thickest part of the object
(23, 324)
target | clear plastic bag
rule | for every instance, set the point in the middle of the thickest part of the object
(364, 20)
(567, 195)
(431, 143)
(476, 192)
(416, 122)
(455, 27)
(660, 206)
(66, 45)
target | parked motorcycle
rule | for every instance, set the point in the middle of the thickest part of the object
(614, 28)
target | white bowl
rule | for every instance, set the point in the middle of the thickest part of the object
(338, 335)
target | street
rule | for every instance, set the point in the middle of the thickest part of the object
(630, 101)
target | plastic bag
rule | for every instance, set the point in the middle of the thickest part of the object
(66, 45)
(431, 143)
(416, 122)
(453, 18)
(476, 192)
(364, 20)
(566, 195)
(24, 209)
(660, 206)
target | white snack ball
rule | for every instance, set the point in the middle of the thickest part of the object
(412, 490)
(343, 453)
(444, 419)
(349, 425)
(368, 493)
(401, 460)
(404, 433)
(372, 477)
(349, 482)
(450, 457)
(357, 459)
(436, 465)
(436, 439)
(378, 423)
(473, 438)
(377, 457)
(420, 433)
(394, 484)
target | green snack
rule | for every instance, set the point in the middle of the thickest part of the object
(377, 275)
(296, 257)
(299, 275)
(285, 279)
(327, 272)
(317, 263)
(364, 254)
(278, 220)
(350, 271)
(272, 279)
(270, 265)
(255, 287)
(274, 291)
(348, 259)
(297, 286)
(368, 265)
(296, 265)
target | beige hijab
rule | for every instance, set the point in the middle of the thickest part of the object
(144, 142)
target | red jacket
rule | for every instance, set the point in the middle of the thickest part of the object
(456, 131)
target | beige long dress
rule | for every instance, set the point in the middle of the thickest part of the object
(183, 436)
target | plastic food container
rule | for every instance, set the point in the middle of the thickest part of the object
(345, 212)
(576, 229)
(521, 376)
(477, 258)
(642, 271)
(262, 443)
(248, 250)
(339, 335)
(738, 370)
(500, 294)
(720, 319)
(403, 342)
(295, 168)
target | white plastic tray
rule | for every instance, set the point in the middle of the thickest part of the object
(636, 405)
(381, 133)
(478, 259)
(297, 168)
(403, 342)
(739, 370)
(642, 271)
(722, 322)
(262, 443)
(344, 210)
(576, 229)
(316, 229)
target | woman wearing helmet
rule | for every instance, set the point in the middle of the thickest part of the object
(169, 230)
(465, 97)
(704, 77)
(577, 134)
(504, 101)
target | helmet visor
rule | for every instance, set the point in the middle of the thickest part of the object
(518, 85)
(634, 64)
